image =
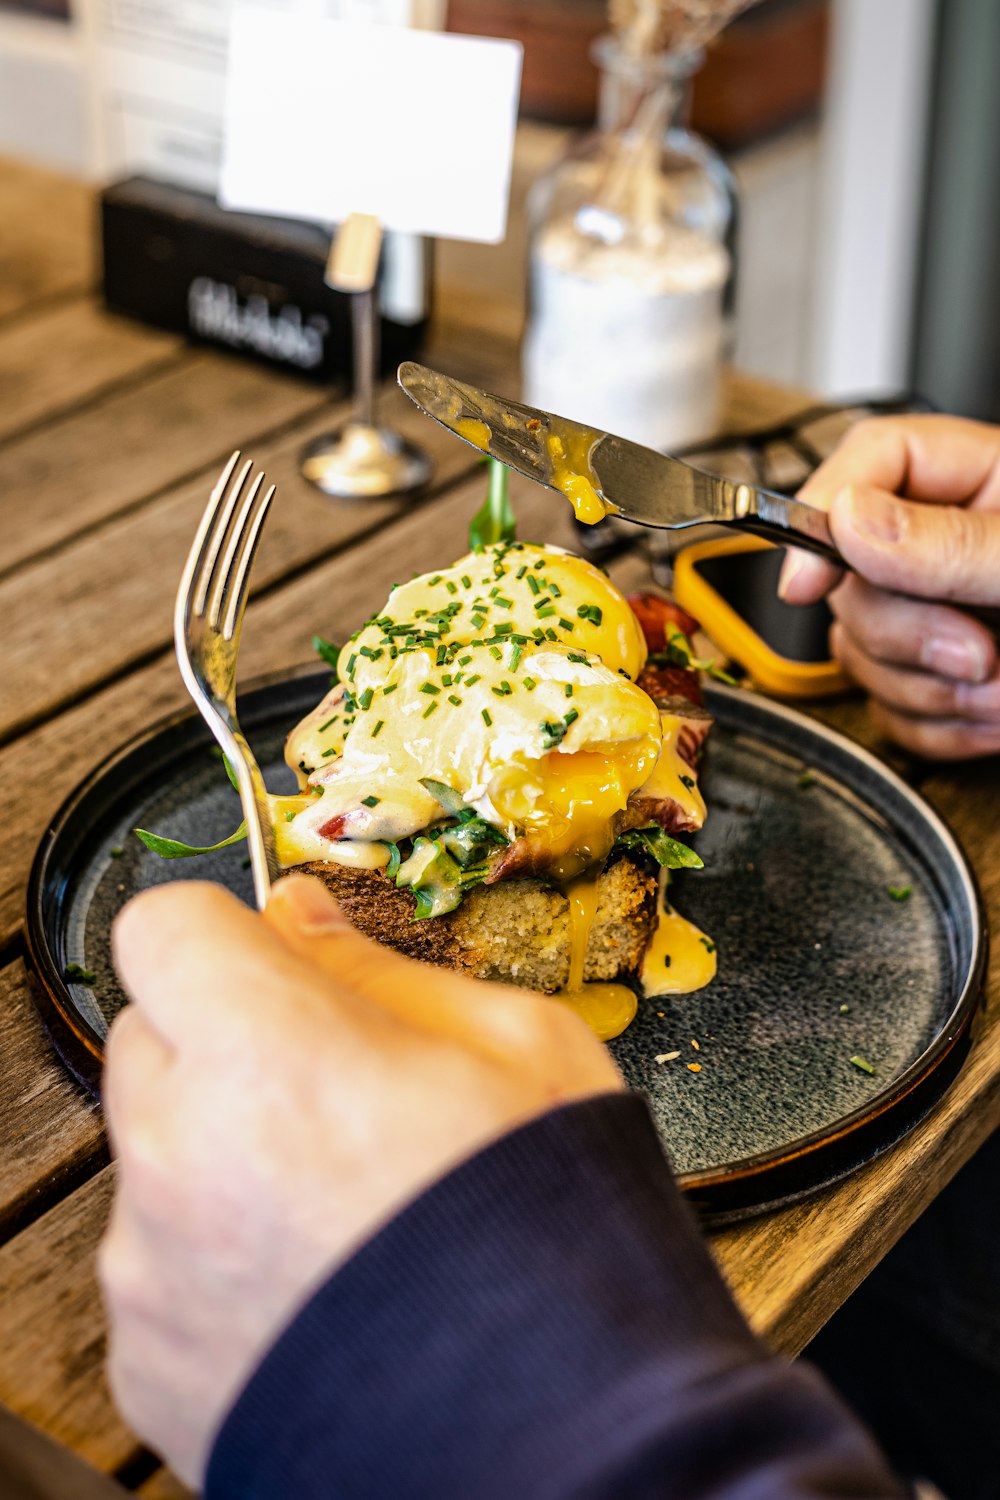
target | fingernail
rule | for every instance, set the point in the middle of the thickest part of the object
(870, 514)
(311, 906)
(962, 658)
(790, 570)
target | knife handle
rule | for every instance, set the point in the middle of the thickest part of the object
(783, 520)
(790, 523)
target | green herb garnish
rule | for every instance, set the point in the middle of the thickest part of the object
(494, 522)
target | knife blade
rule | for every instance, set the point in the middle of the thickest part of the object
(601, 473)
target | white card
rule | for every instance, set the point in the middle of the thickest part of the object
(327, 118)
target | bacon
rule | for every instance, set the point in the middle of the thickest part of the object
(670, 682)
(654, 614)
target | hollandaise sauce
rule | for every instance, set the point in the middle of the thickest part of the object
(680, 957)
(606, 1008)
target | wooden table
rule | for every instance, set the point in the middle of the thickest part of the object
(110, 437)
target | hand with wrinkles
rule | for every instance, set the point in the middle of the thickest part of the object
(914, 507)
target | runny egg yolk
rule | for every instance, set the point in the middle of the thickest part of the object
(606, 1008)
(680, 958)
(566, 804)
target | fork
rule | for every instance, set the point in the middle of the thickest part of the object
(211, 602)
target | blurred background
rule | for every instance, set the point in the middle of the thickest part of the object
(863, 135)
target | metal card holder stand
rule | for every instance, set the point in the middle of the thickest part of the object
(362, 460)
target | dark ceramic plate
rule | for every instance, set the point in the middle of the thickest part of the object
(818, 963)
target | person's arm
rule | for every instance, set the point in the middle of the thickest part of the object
(396, 1232)
(914, 507)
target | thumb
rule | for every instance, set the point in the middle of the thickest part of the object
(931, 551)
(305, 915)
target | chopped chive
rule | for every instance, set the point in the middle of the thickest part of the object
(487, 720)
(289, 816)
(478, 621)
(454, 698)
(378, 728)
(687, 781)
(442, 652)
(570, 717)
(324, 727)
(567, 690)
(436, 578)
(515, 656)
(533, 584)
(496, 653)
(463, 661)
(864, 1065)
(530, 684)
(390, 689)
(446, 679)
(328, 753)
(576, 656)
(521, 571)
(899, 892)
(550, 634)
(429, 687)
(546, 611)
(365, 701)
(505, 603)
(708, 946)
(566, 624)
(451, 587)
(370, 801)
(429, 709)
(472, 677)
(666, 960)
(540, 563)
(494, 592)
(77, 971)
(351, 664)
(466, 581)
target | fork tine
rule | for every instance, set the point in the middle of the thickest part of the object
(220, 509)
(234, 541)
(240, 583)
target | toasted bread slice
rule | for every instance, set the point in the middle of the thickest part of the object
(517, 931)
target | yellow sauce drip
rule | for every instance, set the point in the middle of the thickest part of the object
(566, 803)
(572, 473)
(606, 1008)
(679, 959)
(474, 431)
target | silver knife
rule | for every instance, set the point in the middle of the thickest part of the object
(630, 481)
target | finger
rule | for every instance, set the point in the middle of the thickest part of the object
(308, 918)
(937, 739)
(917, 693)
(934, 552)
(138, 1061)
(909, 632)
(806, 577)
(495, 1020)
(205, 970)
(922, 456)
(928, 457)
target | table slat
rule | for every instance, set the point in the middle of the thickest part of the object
(45, 247)
(83, 469)
(65, 355)
(50, 1134)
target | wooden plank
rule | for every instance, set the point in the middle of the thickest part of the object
(105, 603)
(64, 355)
(51, 1135)
(52, 1352)
(46, 248)
(74, 473)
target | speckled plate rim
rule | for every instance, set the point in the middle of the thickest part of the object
(746, 1187)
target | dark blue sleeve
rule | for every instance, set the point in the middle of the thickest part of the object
(544, 1322)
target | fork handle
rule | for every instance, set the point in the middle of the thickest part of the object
(257, 814)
